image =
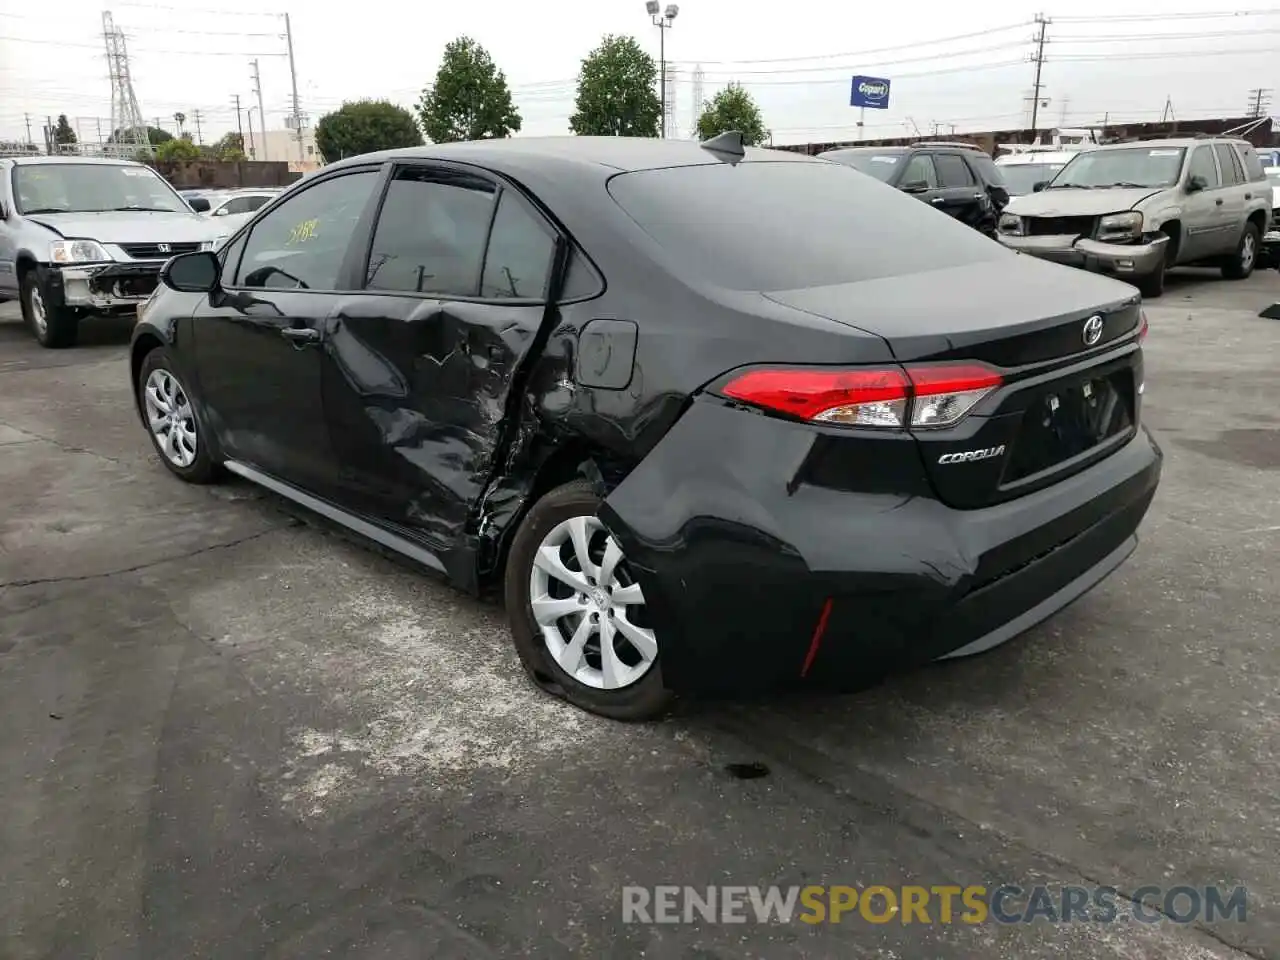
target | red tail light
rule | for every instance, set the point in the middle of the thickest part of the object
(1143, 326)
(928, 395)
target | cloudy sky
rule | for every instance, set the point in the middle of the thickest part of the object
(953, 66)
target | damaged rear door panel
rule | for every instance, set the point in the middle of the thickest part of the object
(421, 366)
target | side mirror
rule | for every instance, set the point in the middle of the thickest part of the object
(1039, 185)
(199, 204)
(914, 186)
(1196, 184)
(192, 272)
(220, 212)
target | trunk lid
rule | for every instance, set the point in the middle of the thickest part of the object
(1064, 403)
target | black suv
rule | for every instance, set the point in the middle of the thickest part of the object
(957, 178)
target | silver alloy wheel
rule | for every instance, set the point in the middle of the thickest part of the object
(1246, 252)
(172, 421)
(586, 604)
(39, 318)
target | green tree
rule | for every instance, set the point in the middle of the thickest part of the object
(229, 146)
(616, 92)
(62, 133)
(177, 150)
(155, 135)
(470, 99)
(364, 126)
(732, 109)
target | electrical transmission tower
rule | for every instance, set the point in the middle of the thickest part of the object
(1259, 101)
(128, 129)
(699, 77)
(669, 102)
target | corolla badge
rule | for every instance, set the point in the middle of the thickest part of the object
(1092, 331)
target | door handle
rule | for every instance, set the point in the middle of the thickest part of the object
(939, 200)
(1218, 202)
(300, 334)
(1248, 196)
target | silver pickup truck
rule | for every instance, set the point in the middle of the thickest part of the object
(82, 236)
(1135, 209)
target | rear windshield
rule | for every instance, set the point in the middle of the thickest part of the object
(789, 225)
(878, 165)
(1126, 167)
(1022, 177)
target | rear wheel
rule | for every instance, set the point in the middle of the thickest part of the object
(1245, 258)
(578, 616)
(54, 326)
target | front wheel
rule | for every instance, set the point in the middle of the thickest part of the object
(578, 615)
(1245, 258)
(171, 420)
(53, 325)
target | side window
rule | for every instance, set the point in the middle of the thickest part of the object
(520, 252)
(1229, 163)
(953, 171)
(988, 169)
(254, 203)
(302, 243)
(920, 167)
(1202, 165)
(431, 234)
(237, 205)
(230, 256)
(1252, 165)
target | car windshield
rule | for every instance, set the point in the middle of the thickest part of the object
(787, 225)
(1021, 178)
(878, 165)
(1127, 167)
(91, 188)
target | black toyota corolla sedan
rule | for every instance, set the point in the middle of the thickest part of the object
(715, 419)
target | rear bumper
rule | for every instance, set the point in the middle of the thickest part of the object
(739, 561)
(1119, 259)
(103, 287)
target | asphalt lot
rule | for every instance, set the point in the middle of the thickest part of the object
(227, 732)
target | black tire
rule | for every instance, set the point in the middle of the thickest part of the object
(646, 698)
(204, 468)
(1242, 262)
(1152, 285)
(61, 325)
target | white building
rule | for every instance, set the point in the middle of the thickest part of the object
(284, 145)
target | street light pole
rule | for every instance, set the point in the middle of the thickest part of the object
(663, 22)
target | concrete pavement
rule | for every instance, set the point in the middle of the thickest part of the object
(229, 733)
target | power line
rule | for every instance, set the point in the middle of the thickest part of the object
(1158, 17)
(183, 53)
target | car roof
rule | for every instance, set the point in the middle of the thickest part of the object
(870, 151)
(97, 161)
(606, 155)
(1168, 143)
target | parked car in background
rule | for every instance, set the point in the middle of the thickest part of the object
(956, 178)
(697, 455)
(1023, 170)
(1271, 241)
(1136, 209)
(81, 236)
(235, 202)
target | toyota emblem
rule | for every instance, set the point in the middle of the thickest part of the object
(1092, 332)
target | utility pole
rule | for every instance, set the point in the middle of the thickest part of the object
(239, 124)
(1259, 100)
(1039, 61)
(262, 113)
(1168, 109)
(293, 77)
(252, 150)
(199, 133)
(663, 21)
(27, 117)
